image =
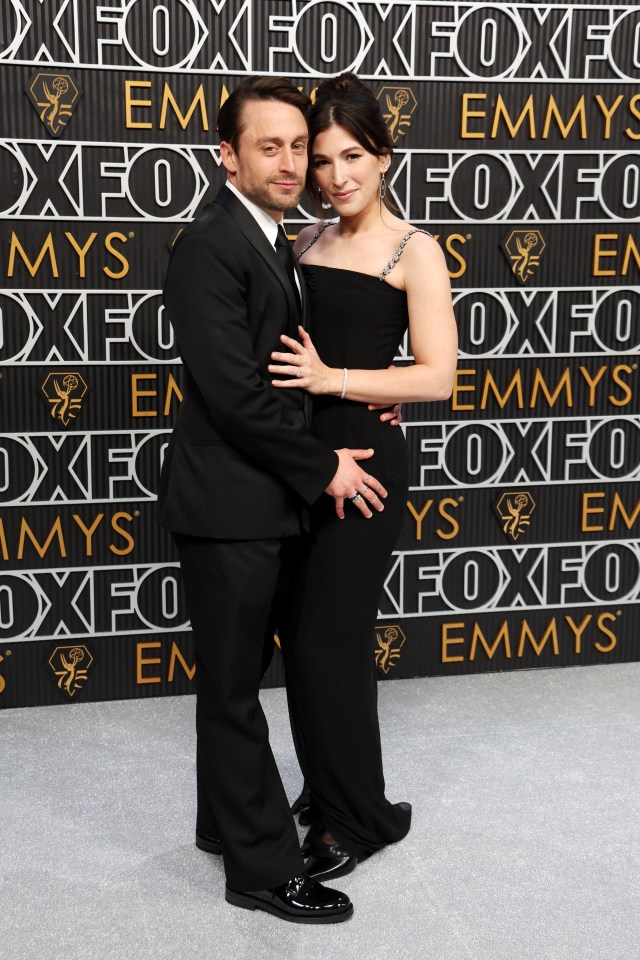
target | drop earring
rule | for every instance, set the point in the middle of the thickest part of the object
(383, 182)
(323, 204)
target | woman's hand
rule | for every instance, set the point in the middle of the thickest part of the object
(304, 364)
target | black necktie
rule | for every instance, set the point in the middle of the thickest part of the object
(288, 260)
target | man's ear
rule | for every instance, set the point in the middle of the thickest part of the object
(228, 157)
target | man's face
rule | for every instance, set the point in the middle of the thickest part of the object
(270, 163)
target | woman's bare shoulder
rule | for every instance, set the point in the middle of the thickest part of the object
(422, 247)
(409, 235)
(423, 264)
(307, 234)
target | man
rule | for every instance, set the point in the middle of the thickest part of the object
(238, 475)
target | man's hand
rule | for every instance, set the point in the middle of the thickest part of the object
(390, 414)
(350, 482)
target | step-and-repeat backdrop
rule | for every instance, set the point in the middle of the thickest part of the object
(516, 129)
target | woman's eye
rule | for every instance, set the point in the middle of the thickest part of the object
(354, 156)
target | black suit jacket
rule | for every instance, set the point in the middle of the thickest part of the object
(241, 463)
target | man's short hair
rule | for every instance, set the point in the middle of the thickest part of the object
(230, 124)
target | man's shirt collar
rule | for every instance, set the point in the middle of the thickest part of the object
(266, 223)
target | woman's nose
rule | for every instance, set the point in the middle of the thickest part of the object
(339, 174)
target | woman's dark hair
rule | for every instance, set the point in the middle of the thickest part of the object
(230, 125)
(347, 102)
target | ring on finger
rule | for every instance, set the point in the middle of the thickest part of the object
(299, 372)
(356, 498)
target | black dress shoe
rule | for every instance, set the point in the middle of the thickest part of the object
(303, 806)
(210, 844)
(324, 861)
(300, 900)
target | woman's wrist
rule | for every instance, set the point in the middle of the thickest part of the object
(334, 381)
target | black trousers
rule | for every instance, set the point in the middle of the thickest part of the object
(235, 594)
(327, 643)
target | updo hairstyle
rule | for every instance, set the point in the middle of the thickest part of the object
(347, 102)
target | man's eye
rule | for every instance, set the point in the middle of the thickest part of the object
(299, 147)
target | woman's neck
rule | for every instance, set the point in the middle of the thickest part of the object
(366, 221)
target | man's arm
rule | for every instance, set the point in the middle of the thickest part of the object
(206, 299)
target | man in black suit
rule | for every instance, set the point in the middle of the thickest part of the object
(239, 473)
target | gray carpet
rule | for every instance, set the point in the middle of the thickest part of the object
(525, 839)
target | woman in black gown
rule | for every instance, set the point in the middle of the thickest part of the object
(369, 277)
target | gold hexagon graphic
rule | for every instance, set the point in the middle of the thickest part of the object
(390, 642)
(71, 666)
(65, 392)
(55, 96)
(514, 511)
(523, 249)
(398, 106)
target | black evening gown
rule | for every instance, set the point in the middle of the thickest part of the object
(357, 321)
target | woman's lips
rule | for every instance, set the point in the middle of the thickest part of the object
(345, 195)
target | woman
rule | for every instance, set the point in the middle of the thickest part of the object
(369, 276)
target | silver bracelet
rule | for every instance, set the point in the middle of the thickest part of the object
(345, 377)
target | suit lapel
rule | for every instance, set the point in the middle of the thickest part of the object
(303, 296)
(304, 306)
(258, 240)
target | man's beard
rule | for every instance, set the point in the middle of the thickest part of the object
(264, 199)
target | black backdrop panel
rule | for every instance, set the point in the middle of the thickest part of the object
(516, 130)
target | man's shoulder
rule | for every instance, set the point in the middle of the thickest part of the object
(213, 233)
(212, 221)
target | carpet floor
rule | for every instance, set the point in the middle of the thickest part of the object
(525, 841)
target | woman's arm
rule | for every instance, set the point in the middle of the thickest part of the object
(432, 330)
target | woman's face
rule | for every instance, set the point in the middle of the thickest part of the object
(347, 174)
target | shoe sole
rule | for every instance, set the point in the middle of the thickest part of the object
(250, 903)
(208, 846)
(332, 873)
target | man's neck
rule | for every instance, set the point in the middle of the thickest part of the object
(275, 215)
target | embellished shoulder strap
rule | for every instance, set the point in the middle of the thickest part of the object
(394, 259)
(323, 226)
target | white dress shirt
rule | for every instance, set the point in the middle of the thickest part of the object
(266, 223)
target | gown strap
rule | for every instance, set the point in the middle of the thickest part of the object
(394, 259)
(321, 229)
